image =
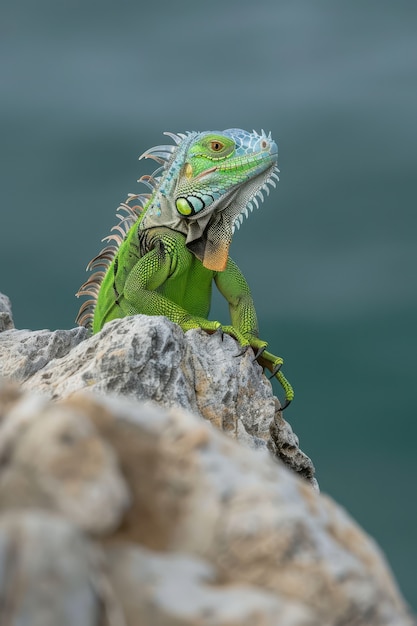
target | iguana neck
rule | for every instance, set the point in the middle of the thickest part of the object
(208, 232)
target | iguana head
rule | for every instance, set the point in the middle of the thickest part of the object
(207, 184)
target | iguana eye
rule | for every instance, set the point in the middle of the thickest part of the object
(216, 146)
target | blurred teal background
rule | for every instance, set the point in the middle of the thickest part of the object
(331, 257)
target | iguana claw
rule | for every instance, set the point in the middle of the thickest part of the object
(219, 331)
(275, 370)
(274, 364)
(289, 393)
(258, 354)
(242, 351)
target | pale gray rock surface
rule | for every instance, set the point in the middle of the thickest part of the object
(115, 511)
(25, 352)
(45, 573)
(169, 588)
(150, 358)
(207, 531)
(6, 318)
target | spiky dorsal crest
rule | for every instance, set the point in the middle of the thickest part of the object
(128, 213)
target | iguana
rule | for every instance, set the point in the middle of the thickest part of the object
(173, 242)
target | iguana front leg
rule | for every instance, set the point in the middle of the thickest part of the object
(140, 293)
(233, 286)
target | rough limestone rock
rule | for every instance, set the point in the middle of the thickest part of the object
(46, 571)
(115, 511)
(176, 525)
(6, 319)
(92, 492)
(150, 358)
(25, 352)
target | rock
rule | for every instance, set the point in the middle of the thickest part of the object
(45, 574)
(284, 445)
(53, 457)
(207, 531)
(25, 352)
(6, 318)
(56, 575)
(150, 358)
(161, 588)
(120, 505)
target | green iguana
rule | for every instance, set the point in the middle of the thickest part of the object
(174, 241)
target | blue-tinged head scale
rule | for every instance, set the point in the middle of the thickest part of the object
(210, 182)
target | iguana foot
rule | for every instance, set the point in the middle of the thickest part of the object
(215, 328)
(276, 369)
(273, 364)
(240, 337)
(259, 353)
(288, 390)
(265, 359)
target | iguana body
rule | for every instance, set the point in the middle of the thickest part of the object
(173, 244)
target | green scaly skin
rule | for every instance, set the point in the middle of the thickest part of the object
(174, 244)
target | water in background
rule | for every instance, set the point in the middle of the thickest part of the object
(331, 256)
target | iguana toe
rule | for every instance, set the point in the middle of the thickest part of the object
(259, 353)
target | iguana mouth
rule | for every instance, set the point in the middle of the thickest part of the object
(206, 172)
(224, 166)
